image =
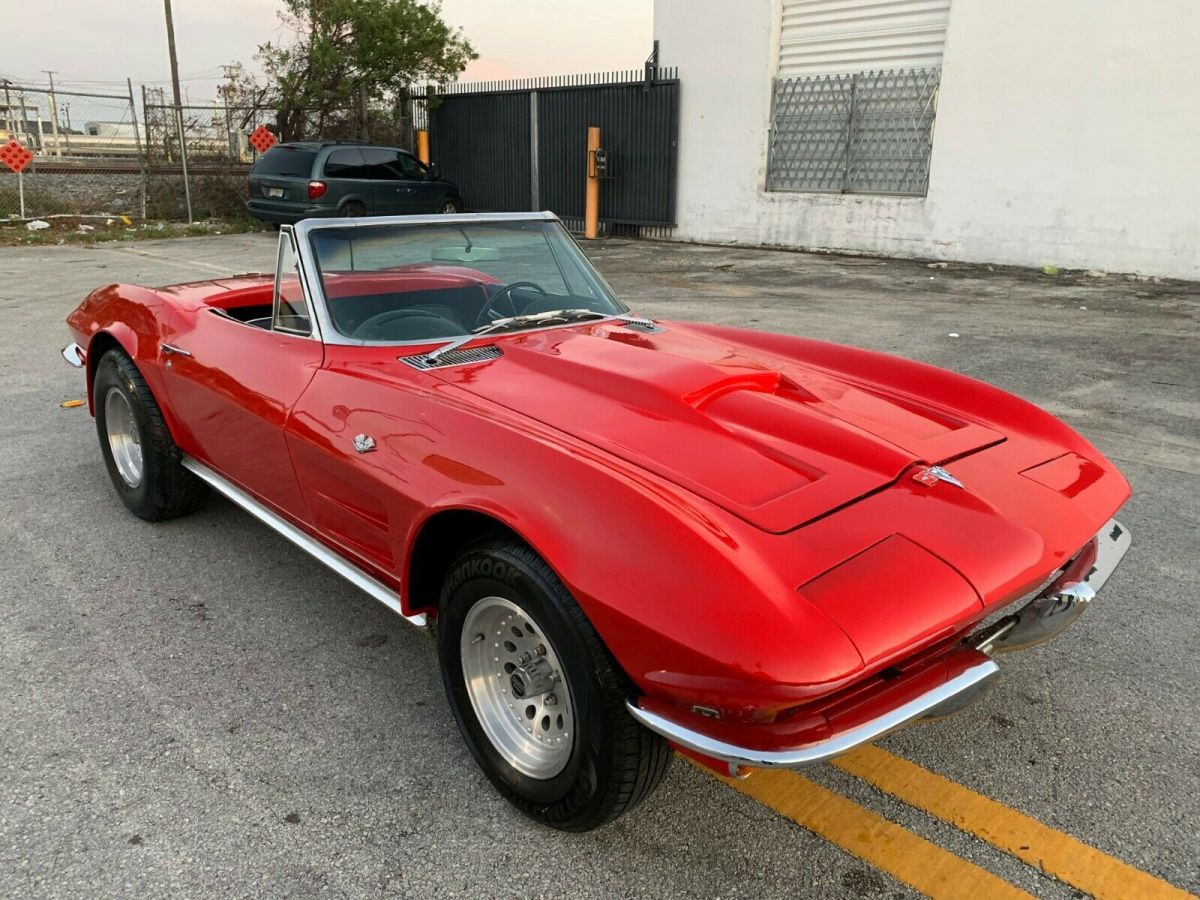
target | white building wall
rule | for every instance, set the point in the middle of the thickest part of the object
(1067, 133)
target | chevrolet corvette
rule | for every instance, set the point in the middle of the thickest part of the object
(633, 535)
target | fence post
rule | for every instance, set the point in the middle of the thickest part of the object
(535, 187)
(187, 189)
(137, 140)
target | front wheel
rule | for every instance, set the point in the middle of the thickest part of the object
(537, 697)
(449, 206)
(142, 460)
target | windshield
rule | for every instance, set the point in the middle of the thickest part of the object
(418, 283)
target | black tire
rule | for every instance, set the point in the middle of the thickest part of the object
(449, 206)
(166, 489)
(352, 210)
(614, 763)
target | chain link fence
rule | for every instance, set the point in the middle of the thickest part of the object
(869, 132)
(215, 150)
(109, 155)
(87, 153)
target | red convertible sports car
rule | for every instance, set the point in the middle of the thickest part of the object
(633, 535)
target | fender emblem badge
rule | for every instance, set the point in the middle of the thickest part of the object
(364, 443)
(931, 475)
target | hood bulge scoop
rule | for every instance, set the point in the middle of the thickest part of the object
(771, 441)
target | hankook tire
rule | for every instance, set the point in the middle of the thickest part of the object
(142, 459)
(537, 696)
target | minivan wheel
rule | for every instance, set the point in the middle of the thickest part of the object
(449, 207)
(352, 210)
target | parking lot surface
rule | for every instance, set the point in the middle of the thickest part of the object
(198, 709)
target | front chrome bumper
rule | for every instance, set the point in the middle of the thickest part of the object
(74, 354)
(1042, 618)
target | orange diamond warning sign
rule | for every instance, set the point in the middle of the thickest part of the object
(262, 139)
(14, 155)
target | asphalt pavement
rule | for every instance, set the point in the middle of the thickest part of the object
(198, 709)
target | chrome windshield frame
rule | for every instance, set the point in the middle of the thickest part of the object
(315, 290)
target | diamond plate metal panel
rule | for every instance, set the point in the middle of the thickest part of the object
(869, 132)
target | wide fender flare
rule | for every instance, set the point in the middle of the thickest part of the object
(692, 612)
(137, 319)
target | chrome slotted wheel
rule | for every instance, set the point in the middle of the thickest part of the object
(517, 687)
(124, 440)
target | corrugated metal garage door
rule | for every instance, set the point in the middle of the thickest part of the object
(823, 37)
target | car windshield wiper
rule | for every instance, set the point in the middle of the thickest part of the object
(512, 322)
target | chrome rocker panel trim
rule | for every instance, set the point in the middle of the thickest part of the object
(1039, 620)
(310, 545)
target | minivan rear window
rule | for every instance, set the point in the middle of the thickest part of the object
(282, 160)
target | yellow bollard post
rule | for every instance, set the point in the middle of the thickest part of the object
(591, 209)
(423, 145)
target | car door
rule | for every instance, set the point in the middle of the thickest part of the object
(235, 384)
(424, 194)
(348, 175)
(390, 193)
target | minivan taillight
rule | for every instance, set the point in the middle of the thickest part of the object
(317, 189)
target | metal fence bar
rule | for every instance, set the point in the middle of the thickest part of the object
(535, 193)
(137, 138)
(639, 129)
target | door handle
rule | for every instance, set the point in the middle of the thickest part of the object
(173, 350)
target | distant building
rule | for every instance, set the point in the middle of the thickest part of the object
(111, 129)
(1029, 132)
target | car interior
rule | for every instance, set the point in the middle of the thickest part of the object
(412, 305)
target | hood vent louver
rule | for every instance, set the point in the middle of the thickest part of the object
(453, 358)
(648, 326)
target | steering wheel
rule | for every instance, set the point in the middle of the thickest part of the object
(450, 329)
(506, 291)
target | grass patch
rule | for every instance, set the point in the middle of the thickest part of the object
(68, 230)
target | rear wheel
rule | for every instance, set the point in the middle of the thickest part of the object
(537, 697)
(352, 210)
(142, 459)
(449, 206)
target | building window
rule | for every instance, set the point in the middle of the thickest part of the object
(866, 132)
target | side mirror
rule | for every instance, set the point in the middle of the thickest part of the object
(434, 172)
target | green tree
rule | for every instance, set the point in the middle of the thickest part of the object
(352, 57)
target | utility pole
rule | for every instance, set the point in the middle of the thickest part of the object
(187, 190)
(53, 113)
(226, 91)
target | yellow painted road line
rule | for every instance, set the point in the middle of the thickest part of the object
(887, 846)
(1055, 853)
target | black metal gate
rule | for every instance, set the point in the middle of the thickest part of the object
(517, 146)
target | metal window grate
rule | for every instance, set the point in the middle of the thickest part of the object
(870, 132)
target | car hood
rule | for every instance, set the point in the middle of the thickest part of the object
(772, 440)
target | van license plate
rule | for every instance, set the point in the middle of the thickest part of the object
(275, 192)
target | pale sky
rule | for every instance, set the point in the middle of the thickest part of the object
(97, 43)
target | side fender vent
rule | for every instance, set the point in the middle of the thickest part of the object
(453, 358)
